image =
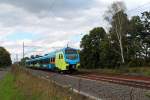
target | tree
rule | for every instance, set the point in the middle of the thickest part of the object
(139, 39)
(23, 60)
(119, 23)
(134, 42)
(91, 48)
(146, 35)
(5, 59)
(134, 37)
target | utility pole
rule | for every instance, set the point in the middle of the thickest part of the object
(67, 44)
(16, 57)
(23, 51)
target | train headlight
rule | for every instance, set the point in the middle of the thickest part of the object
(73, 66)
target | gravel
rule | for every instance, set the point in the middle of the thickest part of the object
(98, 89)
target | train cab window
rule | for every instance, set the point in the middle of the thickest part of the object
(60, 57)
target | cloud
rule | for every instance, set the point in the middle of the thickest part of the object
(41, 7)
(49, 23)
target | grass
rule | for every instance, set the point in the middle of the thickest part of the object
(140, 71)
(8, 90)
(148, 94)
(20, 84)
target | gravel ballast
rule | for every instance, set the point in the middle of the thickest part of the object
(98, 89)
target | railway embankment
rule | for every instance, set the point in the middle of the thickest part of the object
(21, 84)
(34, 84)
(95, 89)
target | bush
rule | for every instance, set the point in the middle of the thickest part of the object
(136, 62)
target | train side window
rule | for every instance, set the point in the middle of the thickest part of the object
(54, 59)
(41, 62)
(51, 59)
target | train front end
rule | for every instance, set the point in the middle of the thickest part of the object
(72, 58)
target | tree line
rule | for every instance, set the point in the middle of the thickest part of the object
(126, 43)
(5, 59)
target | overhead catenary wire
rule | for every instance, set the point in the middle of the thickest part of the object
(139, 9)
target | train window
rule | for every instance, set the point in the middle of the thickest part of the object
(46, 61)
(50, 59)
(41, 62)
(61, 56)
(70, 51)
(54, 59)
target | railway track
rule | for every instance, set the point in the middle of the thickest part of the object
(138, 83)
(102, 87)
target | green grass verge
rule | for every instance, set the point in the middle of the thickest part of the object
(148, 94)
(9, 91)
(20, 84)
(140, 71)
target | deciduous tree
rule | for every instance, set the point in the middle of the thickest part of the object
(5, 59)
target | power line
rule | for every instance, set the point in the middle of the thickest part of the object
(138, 7)
(37, 47)
(23, 50)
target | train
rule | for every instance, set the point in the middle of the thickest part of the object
(65, 59)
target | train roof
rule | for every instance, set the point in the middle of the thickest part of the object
(63, 49)
(51, 54)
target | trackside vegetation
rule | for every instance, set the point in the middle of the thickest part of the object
(125, 44)
(20, 84)
(8, 90)
(136, 71)
(5, 59)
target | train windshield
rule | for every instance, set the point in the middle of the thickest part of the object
(71, 54)
(70, 51)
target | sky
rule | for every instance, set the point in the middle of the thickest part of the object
(47, 25)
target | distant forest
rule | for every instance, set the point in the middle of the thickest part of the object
(126, 44)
